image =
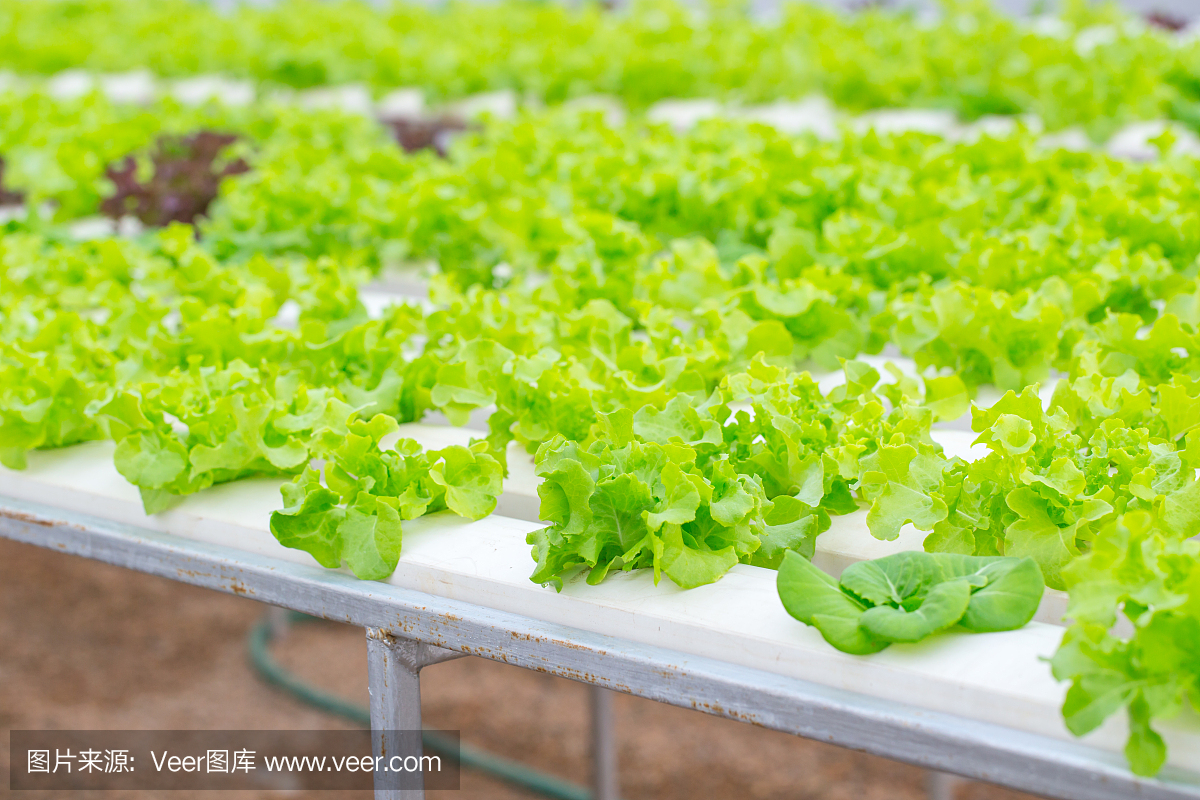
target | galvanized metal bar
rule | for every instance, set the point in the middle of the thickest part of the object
(394, 681)
(605, 779)
(281, 625)
(395, 689)
(1042, 765)
(943, 785)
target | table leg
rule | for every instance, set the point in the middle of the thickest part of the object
(605, 783)
(394, 678)
(943, 785)
(280, 621)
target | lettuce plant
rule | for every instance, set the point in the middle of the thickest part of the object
(1148, 573)
(355, 516)
(907, 597)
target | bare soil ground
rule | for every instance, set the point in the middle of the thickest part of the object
(88, 646)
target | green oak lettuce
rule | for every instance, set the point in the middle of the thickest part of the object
(355, 515)
(1151, 575)
(694, 487)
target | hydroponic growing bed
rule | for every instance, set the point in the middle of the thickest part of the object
(805, 396)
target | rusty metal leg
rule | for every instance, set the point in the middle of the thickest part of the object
(393, 676)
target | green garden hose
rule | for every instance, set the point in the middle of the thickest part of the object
(505, 769)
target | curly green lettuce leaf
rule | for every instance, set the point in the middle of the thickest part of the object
(355, 516)
(1152, 574)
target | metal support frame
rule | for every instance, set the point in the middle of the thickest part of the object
(943, 785)
(1068, 770)
(394, 667)
(281, 625)
(605, 784)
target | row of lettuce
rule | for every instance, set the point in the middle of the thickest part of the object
(990, 258)
(1092, 66)
(637, 308)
